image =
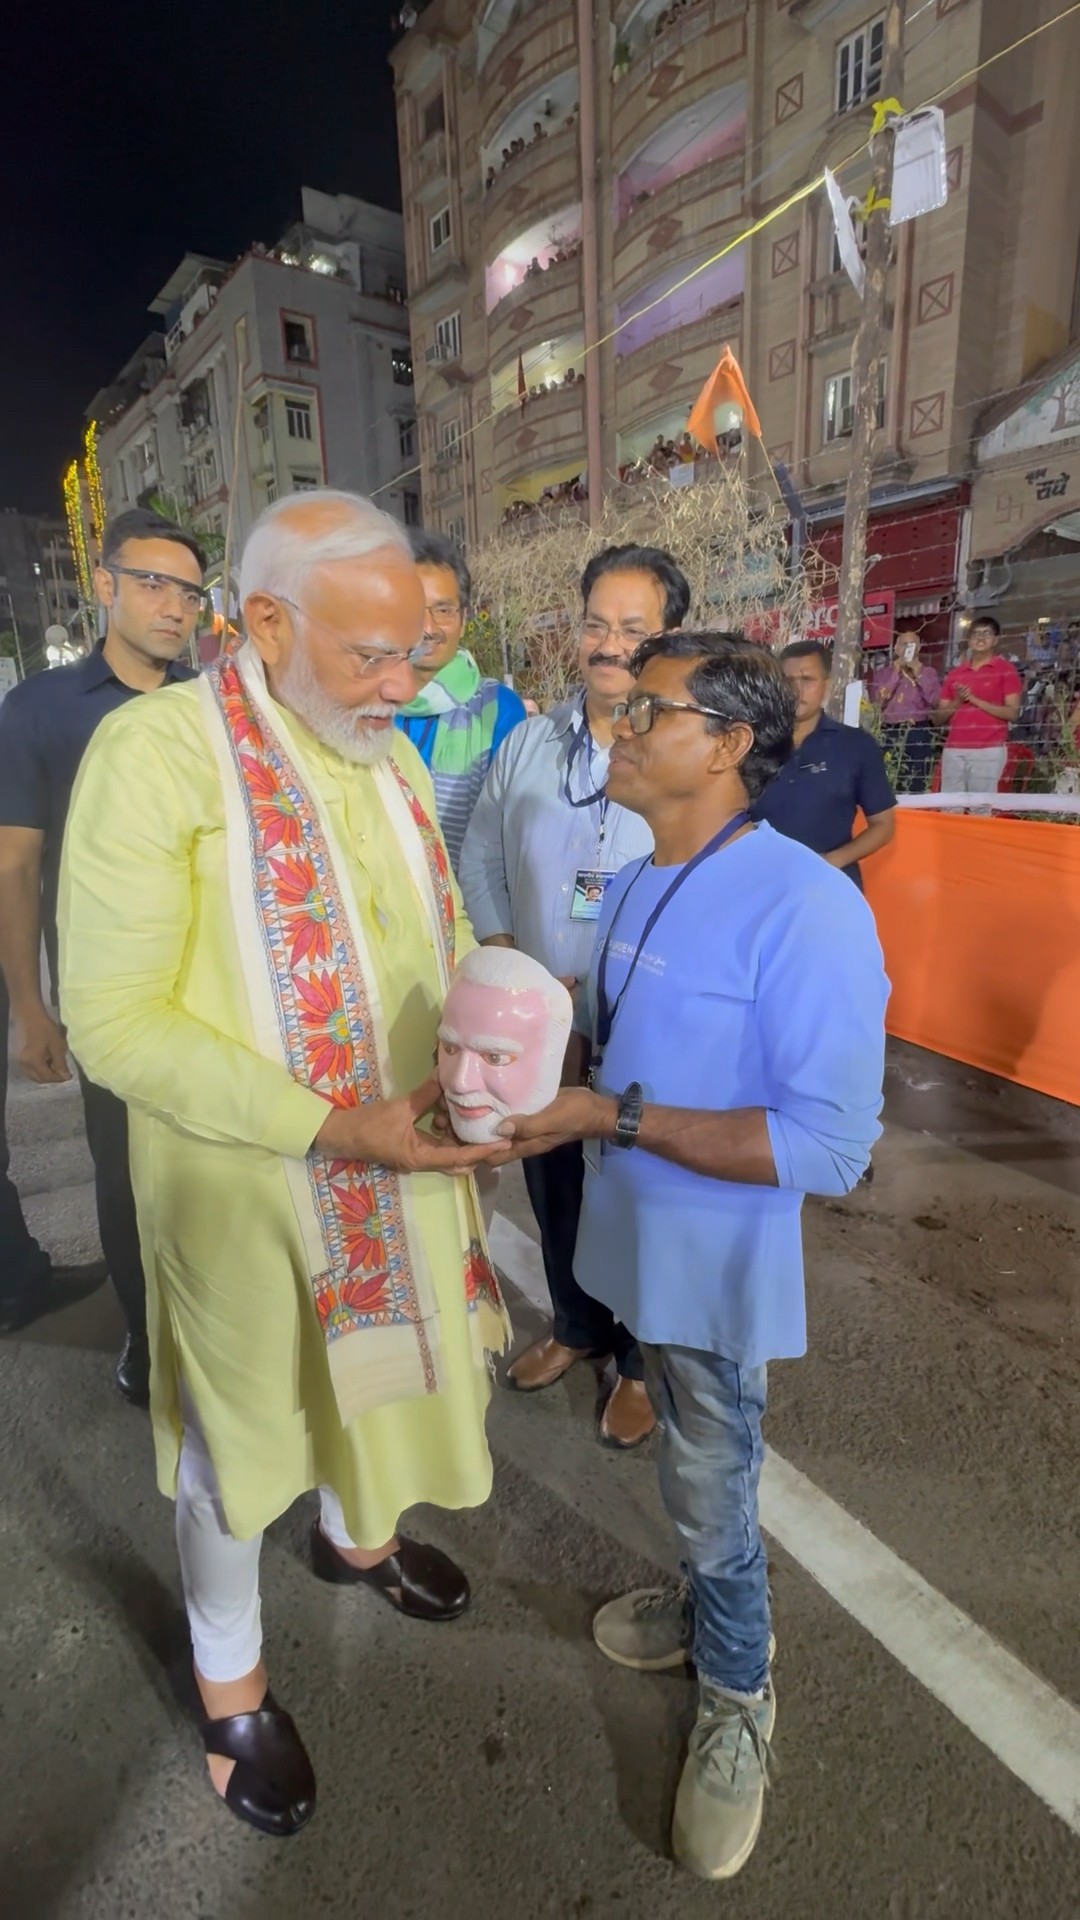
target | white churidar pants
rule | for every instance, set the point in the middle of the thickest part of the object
(221, 1574)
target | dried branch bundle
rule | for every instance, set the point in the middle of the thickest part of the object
(730, 541)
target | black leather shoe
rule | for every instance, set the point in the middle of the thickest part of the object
(272, 1785)
(418, 1580)
(59, 1287)
(133, 1370)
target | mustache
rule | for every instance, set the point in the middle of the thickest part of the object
(603, 659)
(468, 1101)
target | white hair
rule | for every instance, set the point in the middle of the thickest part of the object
(280, 552)
(518, 972)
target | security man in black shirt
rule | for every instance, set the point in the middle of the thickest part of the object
(150, 580)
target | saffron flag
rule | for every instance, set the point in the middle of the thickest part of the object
(522, 388)
(724, 386)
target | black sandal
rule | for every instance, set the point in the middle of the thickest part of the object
(272, 1785)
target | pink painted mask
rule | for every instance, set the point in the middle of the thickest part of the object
(502, 1040)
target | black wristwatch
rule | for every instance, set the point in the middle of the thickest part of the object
(628, 1122)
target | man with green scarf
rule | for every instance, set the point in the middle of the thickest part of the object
(458, 720)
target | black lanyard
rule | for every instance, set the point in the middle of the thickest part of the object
(605, 1015)
(598, 796)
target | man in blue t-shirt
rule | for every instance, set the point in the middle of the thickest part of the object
(832, 774)
(736, 1032)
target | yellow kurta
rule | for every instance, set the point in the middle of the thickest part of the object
(156, 1010)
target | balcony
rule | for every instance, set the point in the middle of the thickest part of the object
(540, 44)
(699, 203)
(543, 308)
(540, 181)
(703, 49)
(550, 434)
(668, 373)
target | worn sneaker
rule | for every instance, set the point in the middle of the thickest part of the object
(650, 1629)
(721, 1795)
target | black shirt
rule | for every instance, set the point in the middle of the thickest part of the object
(814, 798)
(46, 725)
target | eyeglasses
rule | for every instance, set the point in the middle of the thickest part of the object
(642, 710)
(444, 612)
(365, 658)
(192, 599)
(600, 630)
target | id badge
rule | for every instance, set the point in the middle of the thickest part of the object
(590, 887)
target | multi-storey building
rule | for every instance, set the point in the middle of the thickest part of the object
(312, 335)
(38, 588)
(577, 175)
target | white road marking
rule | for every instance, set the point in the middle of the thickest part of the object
(1032, 1730)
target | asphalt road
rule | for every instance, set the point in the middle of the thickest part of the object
(498, 1767)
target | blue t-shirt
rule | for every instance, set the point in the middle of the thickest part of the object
(762, 985)
(815, 796)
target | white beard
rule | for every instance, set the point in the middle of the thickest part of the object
(484, 1129)
(339, 727)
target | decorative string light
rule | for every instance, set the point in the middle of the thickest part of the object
(73, 507)
(94, 487)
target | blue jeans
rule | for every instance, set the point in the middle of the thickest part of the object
(709, 1457)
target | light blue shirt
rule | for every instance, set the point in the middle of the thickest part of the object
(526, 842)
(761, 985)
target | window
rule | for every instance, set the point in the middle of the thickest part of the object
(410, 504)
(434, 118)
(303, 482)
(207, 472)
(401, 367)
(450, 438)
(439, 229)
(271, 489)
(839, 409)
(858, 66)
(407, 439)
(455, 531)
(299, 339)
(261, 417)
(298, 419)
(836, 265)
(448, 336)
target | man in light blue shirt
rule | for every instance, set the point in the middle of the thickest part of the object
(735, 1017)
(544, 844)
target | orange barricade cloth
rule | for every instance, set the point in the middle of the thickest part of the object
(980, 923)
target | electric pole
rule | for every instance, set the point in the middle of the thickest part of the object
(865, 377)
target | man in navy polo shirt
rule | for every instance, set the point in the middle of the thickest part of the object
(150, 582)
(834, 773)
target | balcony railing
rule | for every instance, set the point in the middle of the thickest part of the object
(549, 433)
(540, 43)
(711, 330)
(537, 172)
(651, 50)
(696, 185)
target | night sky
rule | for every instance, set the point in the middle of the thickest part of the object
(135, 133)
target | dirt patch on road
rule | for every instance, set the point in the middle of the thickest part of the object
(1006, 1257)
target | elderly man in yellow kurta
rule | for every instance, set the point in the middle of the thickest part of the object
(258, 927)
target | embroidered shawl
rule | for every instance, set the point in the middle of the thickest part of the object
(313, 994)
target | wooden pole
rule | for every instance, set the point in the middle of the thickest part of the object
(866, 372)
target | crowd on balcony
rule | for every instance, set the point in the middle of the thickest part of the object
(671, 13)
(521, 145)
(575, 492)
(571, 378)
(565, 250)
